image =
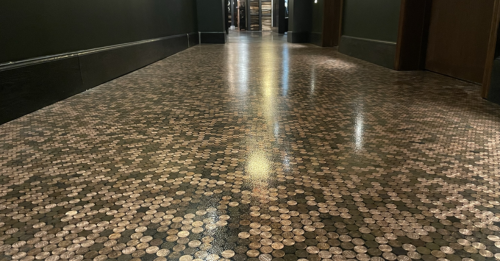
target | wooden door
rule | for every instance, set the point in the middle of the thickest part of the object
(458, 38)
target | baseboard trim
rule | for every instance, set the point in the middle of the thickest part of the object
(494, 90)
(102, 66)
(193, 39)
(213, 37)
(29, 85)
(298, 37)
(374, 51)
(49, 58)
(316, 38)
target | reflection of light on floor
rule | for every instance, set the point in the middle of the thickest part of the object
(258, 165)
(231, 74)
(313, 79)
(237, 71)
(285, 65)
(358, 133)
(359, 125)
(335, 63)
(269, 86)
(298, 46)
(243, 68)
(268, 91)
(286, 162)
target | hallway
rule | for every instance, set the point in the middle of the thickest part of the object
(256, 150)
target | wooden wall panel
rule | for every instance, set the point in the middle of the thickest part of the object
(458, 38)
(332, 23)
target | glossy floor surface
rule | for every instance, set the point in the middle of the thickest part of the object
(256, 150)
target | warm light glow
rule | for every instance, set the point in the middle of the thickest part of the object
(359, 126)
(237, 69)
(258, 165)
(338, 64)
(243, 62)
(359, 131)
(313, 79)
(269, 88)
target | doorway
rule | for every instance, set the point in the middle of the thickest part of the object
(260, 14)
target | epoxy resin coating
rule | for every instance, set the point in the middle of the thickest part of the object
(256, 150)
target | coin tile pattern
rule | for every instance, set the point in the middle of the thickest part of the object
(256, 150)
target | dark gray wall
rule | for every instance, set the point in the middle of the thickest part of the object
(276, 13)
(317, 16)
(318, 10)
(282, 17)
(299, 20)
(105, 39)
(211, 21)
(210, 16)
(300, 16)
(370, 30)
(39, 28)
(372, 19)
(306, 21)
(494, 90)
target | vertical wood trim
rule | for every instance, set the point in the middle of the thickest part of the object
(341, 22)
(399, 43)
(413, 33)
(331, 23)
(326, 33)
(425, 33)
(491, 49)
(337, 12)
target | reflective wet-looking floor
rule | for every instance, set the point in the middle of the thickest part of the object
(256, 150)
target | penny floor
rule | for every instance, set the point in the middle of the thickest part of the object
(256, 150)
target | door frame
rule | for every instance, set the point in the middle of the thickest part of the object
(413, 33)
